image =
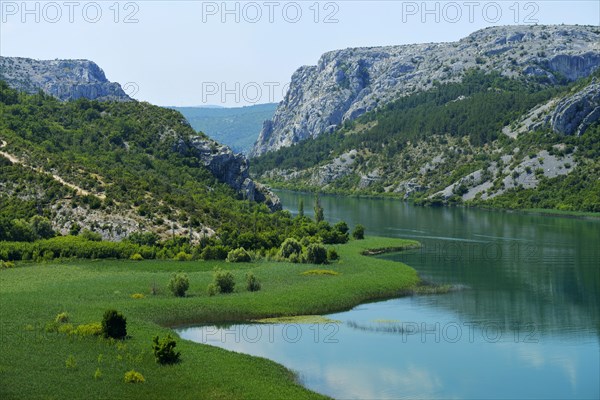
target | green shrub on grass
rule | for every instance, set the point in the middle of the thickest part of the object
(164, 350)
(213, 289)
(114, 325)
(316, 254)
(183, 256)
(66, 329)
(290, 246)
(71, 362)
(238, 255)
(224, 281)
(92, 329)
(179, 284)
(332, 255)
(134, 377)
(6, 264)
(136, 257)
(252, 283)
(217, 252)
(62, 317)
(359, 232)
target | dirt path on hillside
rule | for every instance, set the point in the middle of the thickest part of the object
(16, 160)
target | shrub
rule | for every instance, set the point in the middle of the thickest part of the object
(183, 256)
(164, 350)
(359, 232)
(134, 377)
(92, 329)
(316, 254)
(6, 264)
(252, 283)
(71, 362)
(114, 325)
(213, 290)
(98, 374)
(136, 257)
(238, 255)
(332, 255)
(297, 258)
(62, 317)
(341, 227)
(320, 272)
(137, 296)
(179, 284)
(66, 329)
(224, 281)
(91, 236)
(290, 246)
(214, 253)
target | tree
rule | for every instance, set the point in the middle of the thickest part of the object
(318, 209)
(301, 208)
(114, 325)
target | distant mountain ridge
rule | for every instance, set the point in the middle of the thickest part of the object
(63, 79)
(346, 84)
(237, 127)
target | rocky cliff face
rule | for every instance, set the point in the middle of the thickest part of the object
(63, 79)
(347, 83)
(575, 113)
(229, 168)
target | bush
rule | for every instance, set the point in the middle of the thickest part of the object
(359, 232)
(62, 318)
(93, 329)
(224, 281)
(214, 253)
(238, 255)
(114, 325)
(332, 255)
(136, 257)
(341, 227)
(316, 254)
(290, 246)
(137, 296)
(91, 236)
(134, 377)
(179, 284)
(71, 362)
(164, 350)
(213, 290)
(252, 283)
(6, 264)
(183, 256)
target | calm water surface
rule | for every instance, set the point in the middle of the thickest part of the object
(526, 324)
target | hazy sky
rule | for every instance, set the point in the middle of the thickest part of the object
(244, 52)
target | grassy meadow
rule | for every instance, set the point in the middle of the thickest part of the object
(35, 363)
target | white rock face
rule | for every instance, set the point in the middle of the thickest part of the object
(347, 83)
(63, 79)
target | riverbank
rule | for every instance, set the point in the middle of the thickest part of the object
(392, 196)
(34, 362)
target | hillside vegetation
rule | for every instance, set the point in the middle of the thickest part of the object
(447, 145)
(107, 170)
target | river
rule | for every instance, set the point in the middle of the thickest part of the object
(526, 323)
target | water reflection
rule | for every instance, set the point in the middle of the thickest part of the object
(527, 327)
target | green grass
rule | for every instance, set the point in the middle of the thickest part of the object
(33, 362)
